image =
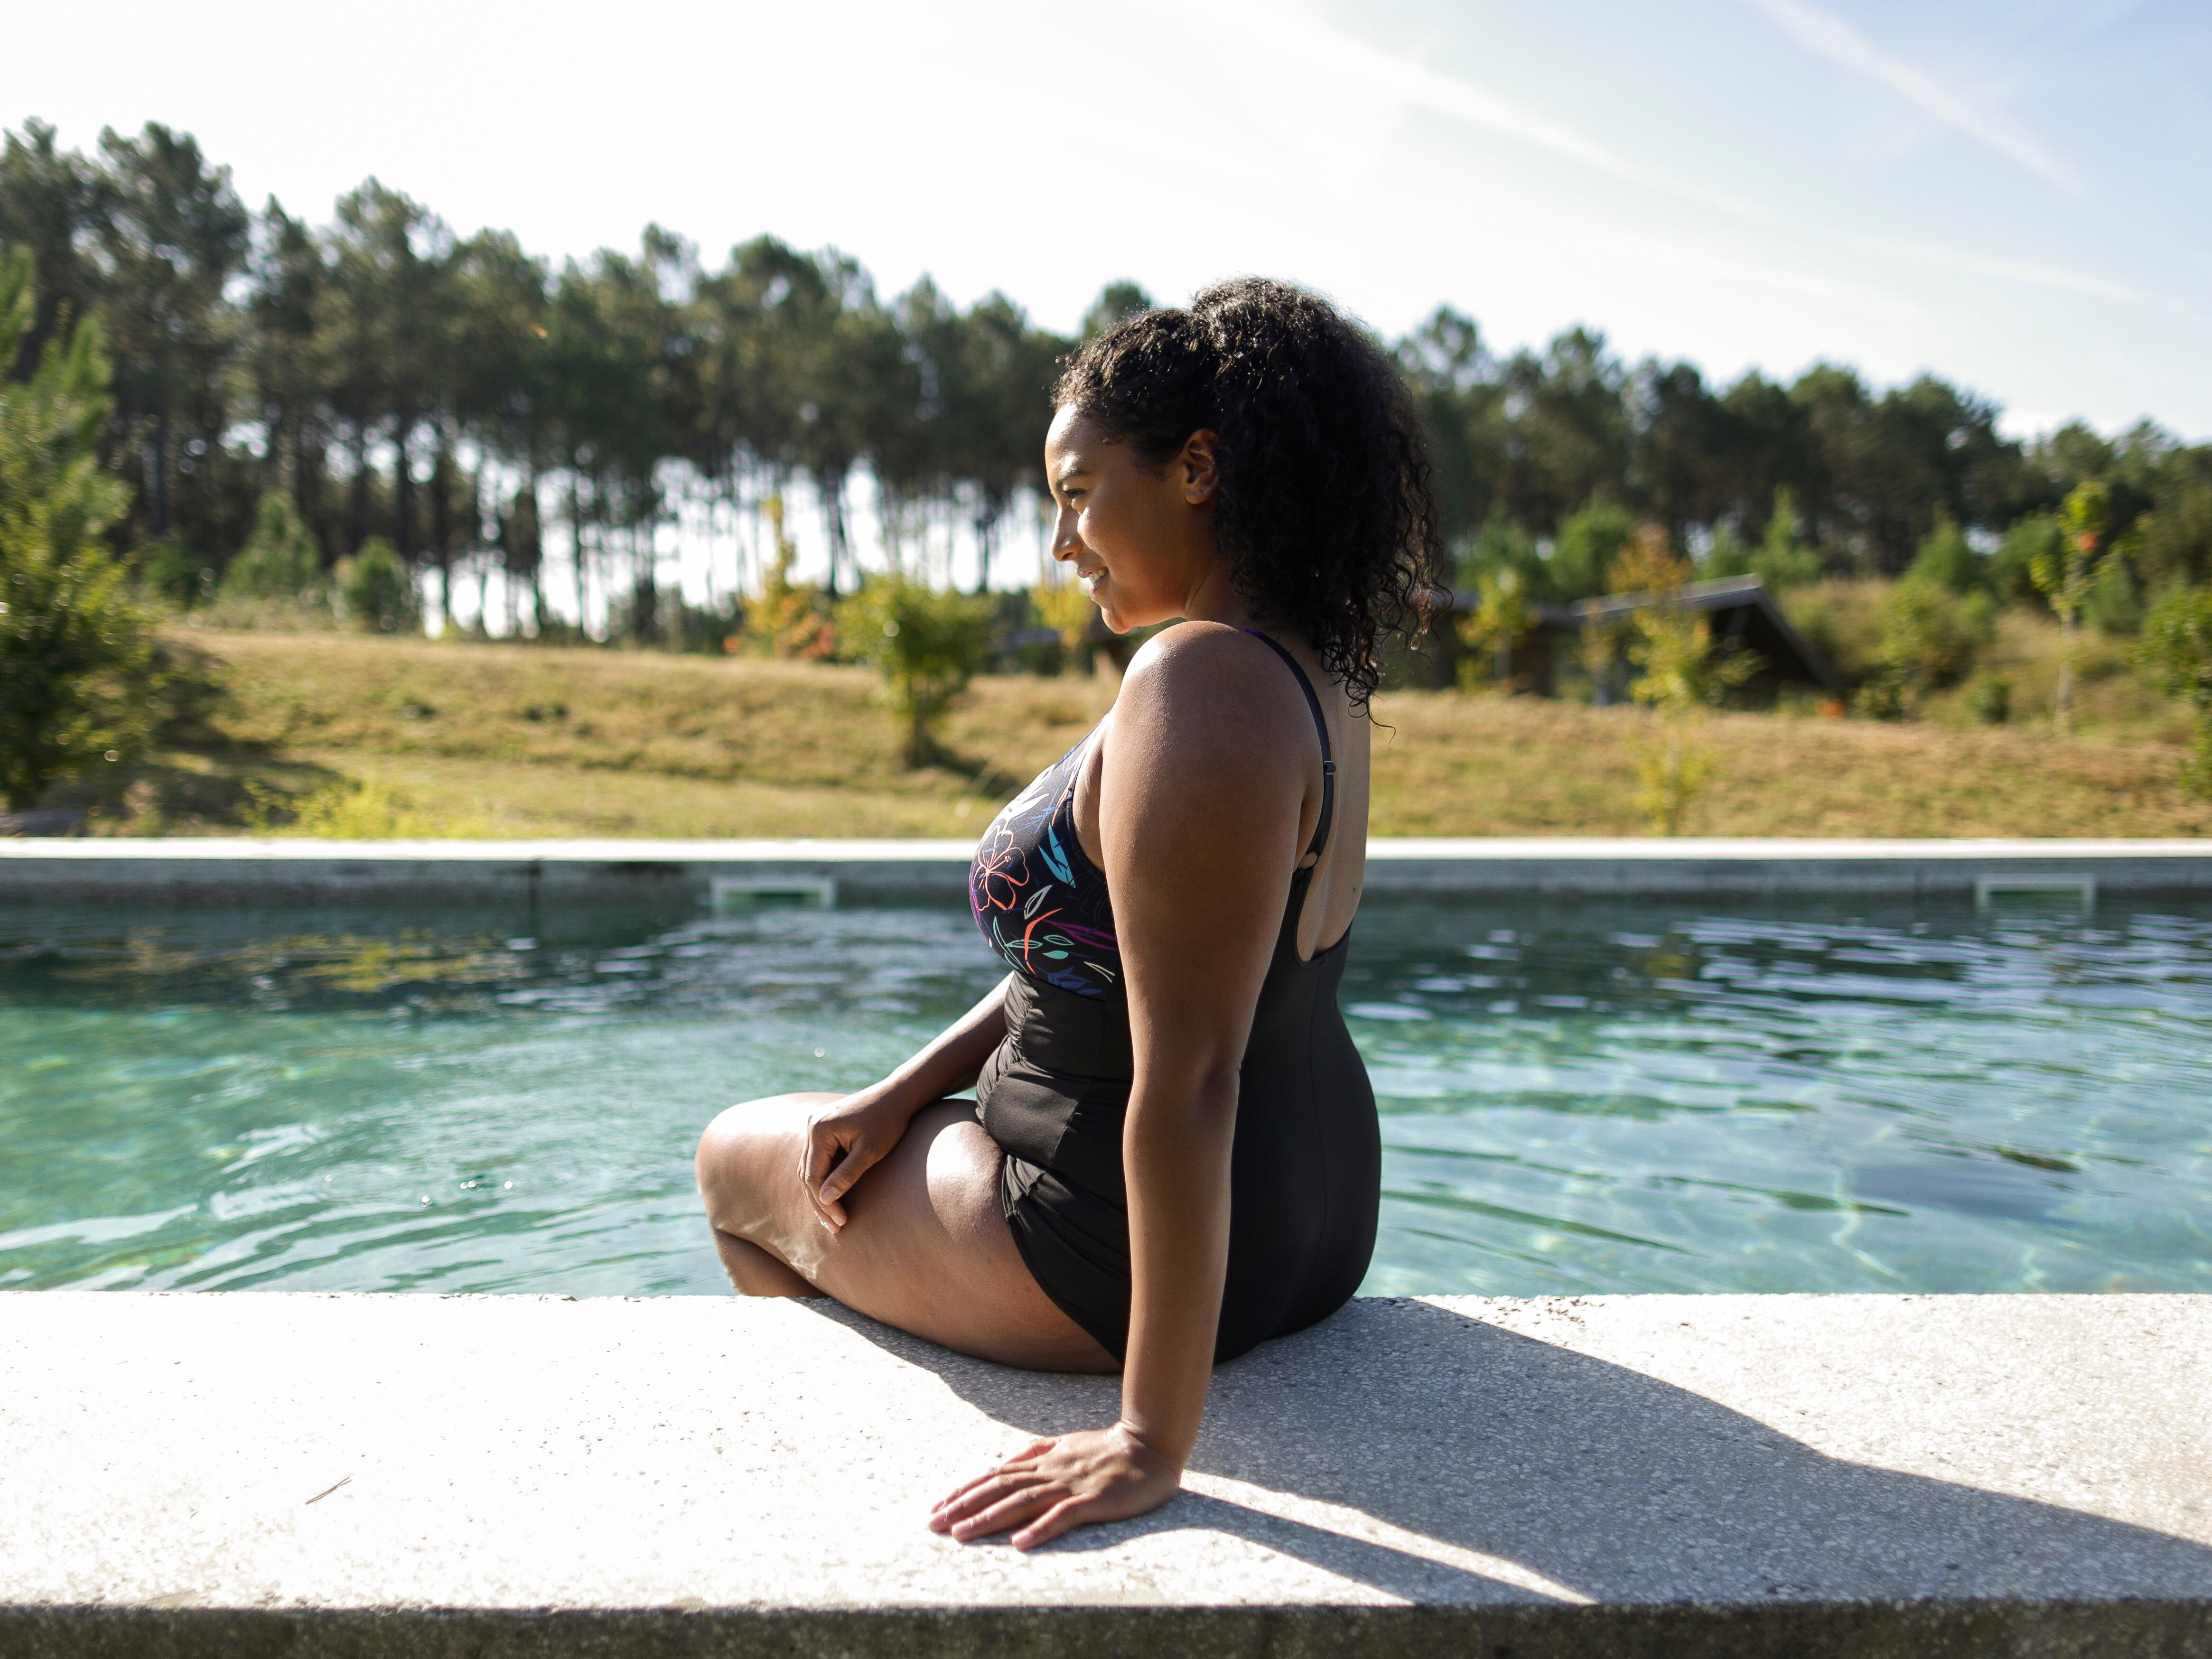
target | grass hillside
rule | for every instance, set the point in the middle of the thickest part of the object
(474, 739)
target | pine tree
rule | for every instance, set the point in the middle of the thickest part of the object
(76, 650)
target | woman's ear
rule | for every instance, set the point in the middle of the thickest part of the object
(1200, 461)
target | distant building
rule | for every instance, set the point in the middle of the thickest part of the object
(1742, 613)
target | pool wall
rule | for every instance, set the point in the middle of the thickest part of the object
(285, 869)
(385, 1475)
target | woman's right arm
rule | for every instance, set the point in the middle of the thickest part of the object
(844, 1139)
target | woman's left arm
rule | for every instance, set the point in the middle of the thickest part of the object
(1199, 803)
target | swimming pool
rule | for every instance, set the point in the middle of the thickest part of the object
(1654, 1097)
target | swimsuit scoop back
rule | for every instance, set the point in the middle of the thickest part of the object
(1305, 1170)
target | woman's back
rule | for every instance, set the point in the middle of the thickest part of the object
(1305, 1164)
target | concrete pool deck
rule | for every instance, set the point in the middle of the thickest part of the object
(283, 870)
(379, 1475)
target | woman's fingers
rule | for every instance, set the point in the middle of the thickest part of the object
(1021, 1502)
(977, 1496)
(1060, 1517)
(985, 1500)
(1014, 1465)
(858, 1157)
(831, 1163)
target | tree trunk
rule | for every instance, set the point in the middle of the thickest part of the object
(158, 468)
(2063, 705)
(441, 522)
(402, 489)
(360, 485)
(645, 587)
(986, 534)
(576, 555)
(833, 514)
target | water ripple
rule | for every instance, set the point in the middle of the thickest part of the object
(1576, 1098)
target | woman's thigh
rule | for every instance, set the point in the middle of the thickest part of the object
(925, 1245)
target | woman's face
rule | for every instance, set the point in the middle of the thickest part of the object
(1141, 541)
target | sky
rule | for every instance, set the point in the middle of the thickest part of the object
(2013, 196)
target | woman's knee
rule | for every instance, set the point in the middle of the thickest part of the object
(744, 1150)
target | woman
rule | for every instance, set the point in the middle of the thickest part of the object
(1174, 1151)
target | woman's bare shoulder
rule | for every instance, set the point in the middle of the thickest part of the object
(1206, 664)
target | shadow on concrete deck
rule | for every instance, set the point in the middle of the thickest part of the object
(1596, 1481)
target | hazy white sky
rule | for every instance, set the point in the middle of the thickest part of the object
(2013, 195)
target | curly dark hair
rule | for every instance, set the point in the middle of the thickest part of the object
(1323, 505)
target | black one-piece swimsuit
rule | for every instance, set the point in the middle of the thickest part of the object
(1305, 1173)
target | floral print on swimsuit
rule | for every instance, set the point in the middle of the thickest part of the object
(1040, 902)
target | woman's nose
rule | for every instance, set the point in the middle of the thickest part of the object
(1066, 543)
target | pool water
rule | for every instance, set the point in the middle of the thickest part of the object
(1575, 1097)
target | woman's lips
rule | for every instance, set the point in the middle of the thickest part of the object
(1090, 581)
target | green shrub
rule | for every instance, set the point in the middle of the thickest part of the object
(2012, 567)
(1783, 560)
(2177, 646)
(1590, 543)
(376, 589)
(279, 561)
(1729, 555)
(1988, 699)
(175, 573)
(1947, 560)
(1930, 638)
(351, 809)
(1505, 545)
(927, 644)
(2114, 606)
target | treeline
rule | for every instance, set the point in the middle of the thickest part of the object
(458, 398)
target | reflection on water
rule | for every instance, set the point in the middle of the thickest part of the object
(1606, 1099)
(1574, 1099)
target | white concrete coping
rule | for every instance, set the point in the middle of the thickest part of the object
(286, 869)
(198, 1474)
(284, 849)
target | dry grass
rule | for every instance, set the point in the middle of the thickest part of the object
(504, 741)
(1486, 766)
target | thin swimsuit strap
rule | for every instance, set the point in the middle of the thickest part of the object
(1327, 761)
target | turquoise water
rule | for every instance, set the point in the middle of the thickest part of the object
(1575, 1098)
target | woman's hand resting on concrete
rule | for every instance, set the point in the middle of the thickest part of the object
(1051, 1485)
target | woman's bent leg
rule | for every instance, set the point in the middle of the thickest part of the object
(925, 1246)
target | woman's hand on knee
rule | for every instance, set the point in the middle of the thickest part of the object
(844, 1140)
(1053, 1485)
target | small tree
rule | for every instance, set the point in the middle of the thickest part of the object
(1684, 674)
(927, 645)
(2067, 575)
(1501, 619)
(1781, 560)
(1067, 610)
(792, 620)
(1947, 560)
(1930, 638)
(374, 589)
(2176, 644)
(77, 681)
(280, 560)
